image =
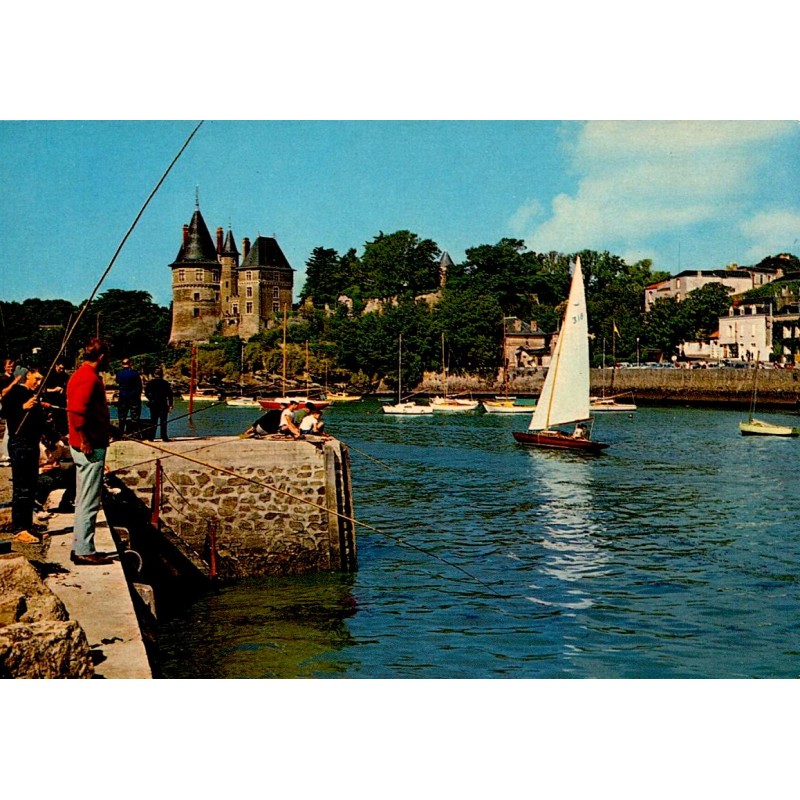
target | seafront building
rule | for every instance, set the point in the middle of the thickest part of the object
(214, 292)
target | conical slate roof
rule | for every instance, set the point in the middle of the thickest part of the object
(265, 252)
(229, 248)
(200, 247)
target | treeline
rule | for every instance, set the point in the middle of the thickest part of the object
(351, 342)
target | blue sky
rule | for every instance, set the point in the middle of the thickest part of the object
(685, 194)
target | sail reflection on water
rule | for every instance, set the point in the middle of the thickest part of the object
(569, 531)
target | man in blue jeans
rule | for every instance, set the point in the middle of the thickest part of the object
(89, 434)
(130, 397)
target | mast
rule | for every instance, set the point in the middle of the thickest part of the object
(444, 371)
(283, 384)
(755, 388)
(400, 370)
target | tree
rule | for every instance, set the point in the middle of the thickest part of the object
(400, 264)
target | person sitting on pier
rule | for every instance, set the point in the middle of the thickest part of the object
(265, 425)
(287, 425)
(312, 422)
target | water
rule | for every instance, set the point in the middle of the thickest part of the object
(674, 555)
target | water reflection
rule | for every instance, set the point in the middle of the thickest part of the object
(565, 518)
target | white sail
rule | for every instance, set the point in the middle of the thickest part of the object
(565, 394)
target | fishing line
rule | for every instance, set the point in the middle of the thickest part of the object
(353, 520)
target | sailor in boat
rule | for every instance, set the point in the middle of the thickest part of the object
(580, 432)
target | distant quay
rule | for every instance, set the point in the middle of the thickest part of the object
(777, 388)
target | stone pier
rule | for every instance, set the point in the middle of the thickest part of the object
(243, 507)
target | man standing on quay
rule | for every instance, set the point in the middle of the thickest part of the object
(89, 432)
(130, 397)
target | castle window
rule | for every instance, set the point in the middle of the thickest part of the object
(215, 276)
(181, 275)
(249, 275)
(236, 309)
(195, 312)
(275, 293)
(248, 308)
(197, 297)
(276, 308)
(216, 297)
(249, 291)
(198, 275)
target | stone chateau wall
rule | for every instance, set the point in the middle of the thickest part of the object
(270, 502)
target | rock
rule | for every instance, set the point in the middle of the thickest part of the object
(37, 638)
(48, 649)
(18, 577)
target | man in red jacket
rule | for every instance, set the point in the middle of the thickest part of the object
(89, 434)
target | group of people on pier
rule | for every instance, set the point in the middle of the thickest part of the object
(56, 436)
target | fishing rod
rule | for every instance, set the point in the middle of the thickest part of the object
(71, 330)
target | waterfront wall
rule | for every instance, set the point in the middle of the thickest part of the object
(776, 387)
(264, 506)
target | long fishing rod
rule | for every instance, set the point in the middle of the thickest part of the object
(353, 520)
(125, 238)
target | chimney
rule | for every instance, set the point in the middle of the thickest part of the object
(185, 235)
(245, 247)
(219, 241)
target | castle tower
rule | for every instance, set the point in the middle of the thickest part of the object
(196, 303)
(266, 282)
(228, 256)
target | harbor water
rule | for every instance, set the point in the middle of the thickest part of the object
(676, 554)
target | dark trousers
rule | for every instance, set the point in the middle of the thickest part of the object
(126, 405)
(24, 457)
(158, 418)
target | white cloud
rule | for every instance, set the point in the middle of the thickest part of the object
(639, 180)
(771, 232)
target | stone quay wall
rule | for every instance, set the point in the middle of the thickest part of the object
(778, 388)
(273, 507)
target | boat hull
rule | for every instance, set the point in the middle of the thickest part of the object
(501, 407)
(453, 405)
(407, 409)
(757, 428)
(555, 440)
(279, 402)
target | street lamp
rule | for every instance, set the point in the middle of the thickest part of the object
(637, 351)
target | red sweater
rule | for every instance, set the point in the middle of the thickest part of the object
(87, 409)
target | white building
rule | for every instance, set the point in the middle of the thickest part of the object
(745, 333)
(678, 286)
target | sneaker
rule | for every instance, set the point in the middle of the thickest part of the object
(23, 537)
(42, 516)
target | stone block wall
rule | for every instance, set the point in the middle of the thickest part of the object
(274, 507)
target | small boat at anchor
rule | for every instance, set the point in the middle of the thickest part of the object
(565, 395)
(243, 402)
(403, 407)
(609, 404)
(506, 405)
(757, 427)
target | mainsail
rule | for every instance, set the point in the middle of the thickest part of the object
(565, 394)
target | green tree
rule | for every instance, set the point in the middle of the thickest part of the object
(400, 264)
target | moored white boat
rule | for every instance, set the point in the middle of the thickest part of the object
(453, 404)
(341, 397)
(270, 403)
(244, 402)
(756, 427)
(607, 404)
(403, 407)
(407, 408)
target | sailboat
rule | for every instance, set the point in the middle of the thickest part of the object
(608, 403)
(401, 406)
(447, 403)
(757, 427)
(271, 403)
(565, 395)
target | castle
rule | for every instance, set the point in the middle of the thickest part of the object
(212, 292)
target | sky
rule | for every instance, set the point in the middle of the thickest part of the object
(688, 195)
